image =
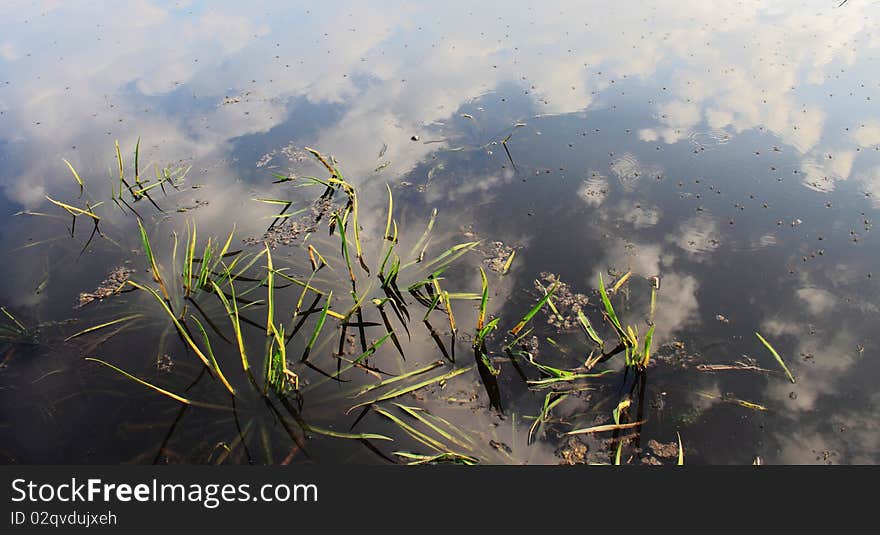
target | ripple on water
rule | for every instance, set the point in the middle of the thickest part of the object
(629, 170)
(594, 189)
(710, 139)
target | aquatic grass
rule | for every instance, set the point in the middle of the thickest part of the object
(188, 259)
(432, 443)
(680, 450)
(344, 246)
(18, 324)
(440, 426)
(531, 313)
(182, 331)
(450, 255)
(549, 404)
(612, 316)
(448, 303)
(589, 330)
(317, 331)
(166, 393)
(442, 458)
(270, 297)
(605, 428)
(154, 267)
(483, 329)
(412, 388)
(214, 365)
(137, 151)
(620, 282)
(73, 210)
(372, 349)
(484, 300)
(231, 307)
(422, 241)
(566, 378)
(238, 282)
(398, 378)
(776, 356)
(103, 325)
(733, 400)
(76, 177)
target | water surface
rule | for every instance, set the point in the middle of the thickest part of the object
(730, 149)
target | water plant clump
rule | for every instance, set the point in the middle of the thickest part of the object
(330, 329)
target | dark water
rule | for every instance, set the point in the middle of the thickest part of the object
(731, 149)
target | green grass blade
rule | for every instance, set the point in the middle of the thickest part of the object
(612, 316)
(399, 378)
(484, 299)
(589, 330)
(75, 176)
(425, 234)
(531, 313)
(216, 366)
(270, 299)
(776, 355)
(318, 326)
(171, 395)
(154, 267)
(101, 326)
(412, 388)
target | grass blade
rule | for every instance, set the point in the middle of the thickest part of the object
(412, 388)
(531, 313)
(101, 326)
(75, 176)
(606, 427)
(171, 395)
(484, 300)
(680, 450)
(393, 380)
(148, 249)
(182, 330)
(318, 326)
(776, 355)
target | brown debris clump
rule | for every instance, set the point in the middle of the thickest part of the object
(573, 452)
(109, 286)
(567, 303)
(288, 232)
(497, 256)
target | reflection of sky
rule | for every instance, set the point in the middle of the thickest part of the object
(396, 68)
(351, 79)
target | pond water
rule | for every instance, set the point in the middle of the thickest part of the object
(724, 154)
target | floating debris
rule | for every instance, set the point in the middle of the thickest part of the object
(567, 303)
(164, 363)
(288, 232)
(497, 256)
(574, 451)
(675, 355)
(109, 286)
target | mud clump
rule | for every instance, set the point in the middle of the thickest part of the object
(567, 302)
(287, 233)
(108, 287)
(573, 451)
(664, 451)
(582, 450)
(675, 355)
(497, 256)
